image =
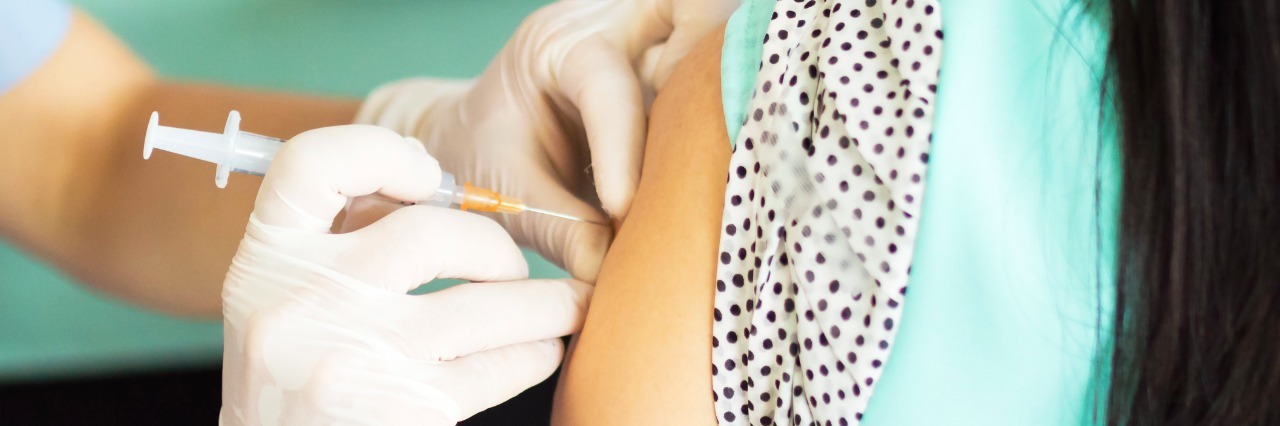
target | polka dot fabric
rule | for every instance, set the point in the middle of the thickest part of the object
(821, 209)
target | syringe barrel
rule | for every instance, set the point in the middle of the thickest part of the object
(449, 194)
(253, 153)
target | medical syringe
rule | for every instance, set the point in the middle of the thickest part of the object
(248, 153)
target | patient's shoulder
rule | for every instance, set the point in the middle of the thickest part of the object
(694, 86)
(644, 354)
(688, 117)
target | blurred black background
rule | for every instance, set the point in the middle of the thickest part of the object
(186, 397)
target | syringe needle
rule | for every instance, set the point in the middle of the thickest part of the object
(559, 215)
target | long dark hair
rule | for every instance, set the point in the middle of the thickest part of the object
(1196, 89)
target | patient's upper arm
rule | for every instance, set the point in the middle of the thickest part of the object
(644, 355)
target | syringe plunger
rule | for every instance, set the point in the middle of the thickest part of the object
(232, 150)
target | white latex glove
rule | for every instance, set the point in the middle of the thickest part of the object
(558, 117)
(318, 328)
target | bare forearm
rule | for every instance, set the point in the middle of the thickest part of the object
(76, 192)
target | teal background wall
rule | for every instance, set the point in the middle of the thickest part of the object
(52, 327)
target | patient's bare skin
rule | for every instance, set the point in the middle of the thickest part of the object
(644, 355)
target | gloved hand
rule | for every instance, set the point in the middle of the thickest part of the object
(318, 328)
(558, 117)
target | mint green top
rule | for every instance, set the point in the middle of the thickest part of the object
(1013, 264)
